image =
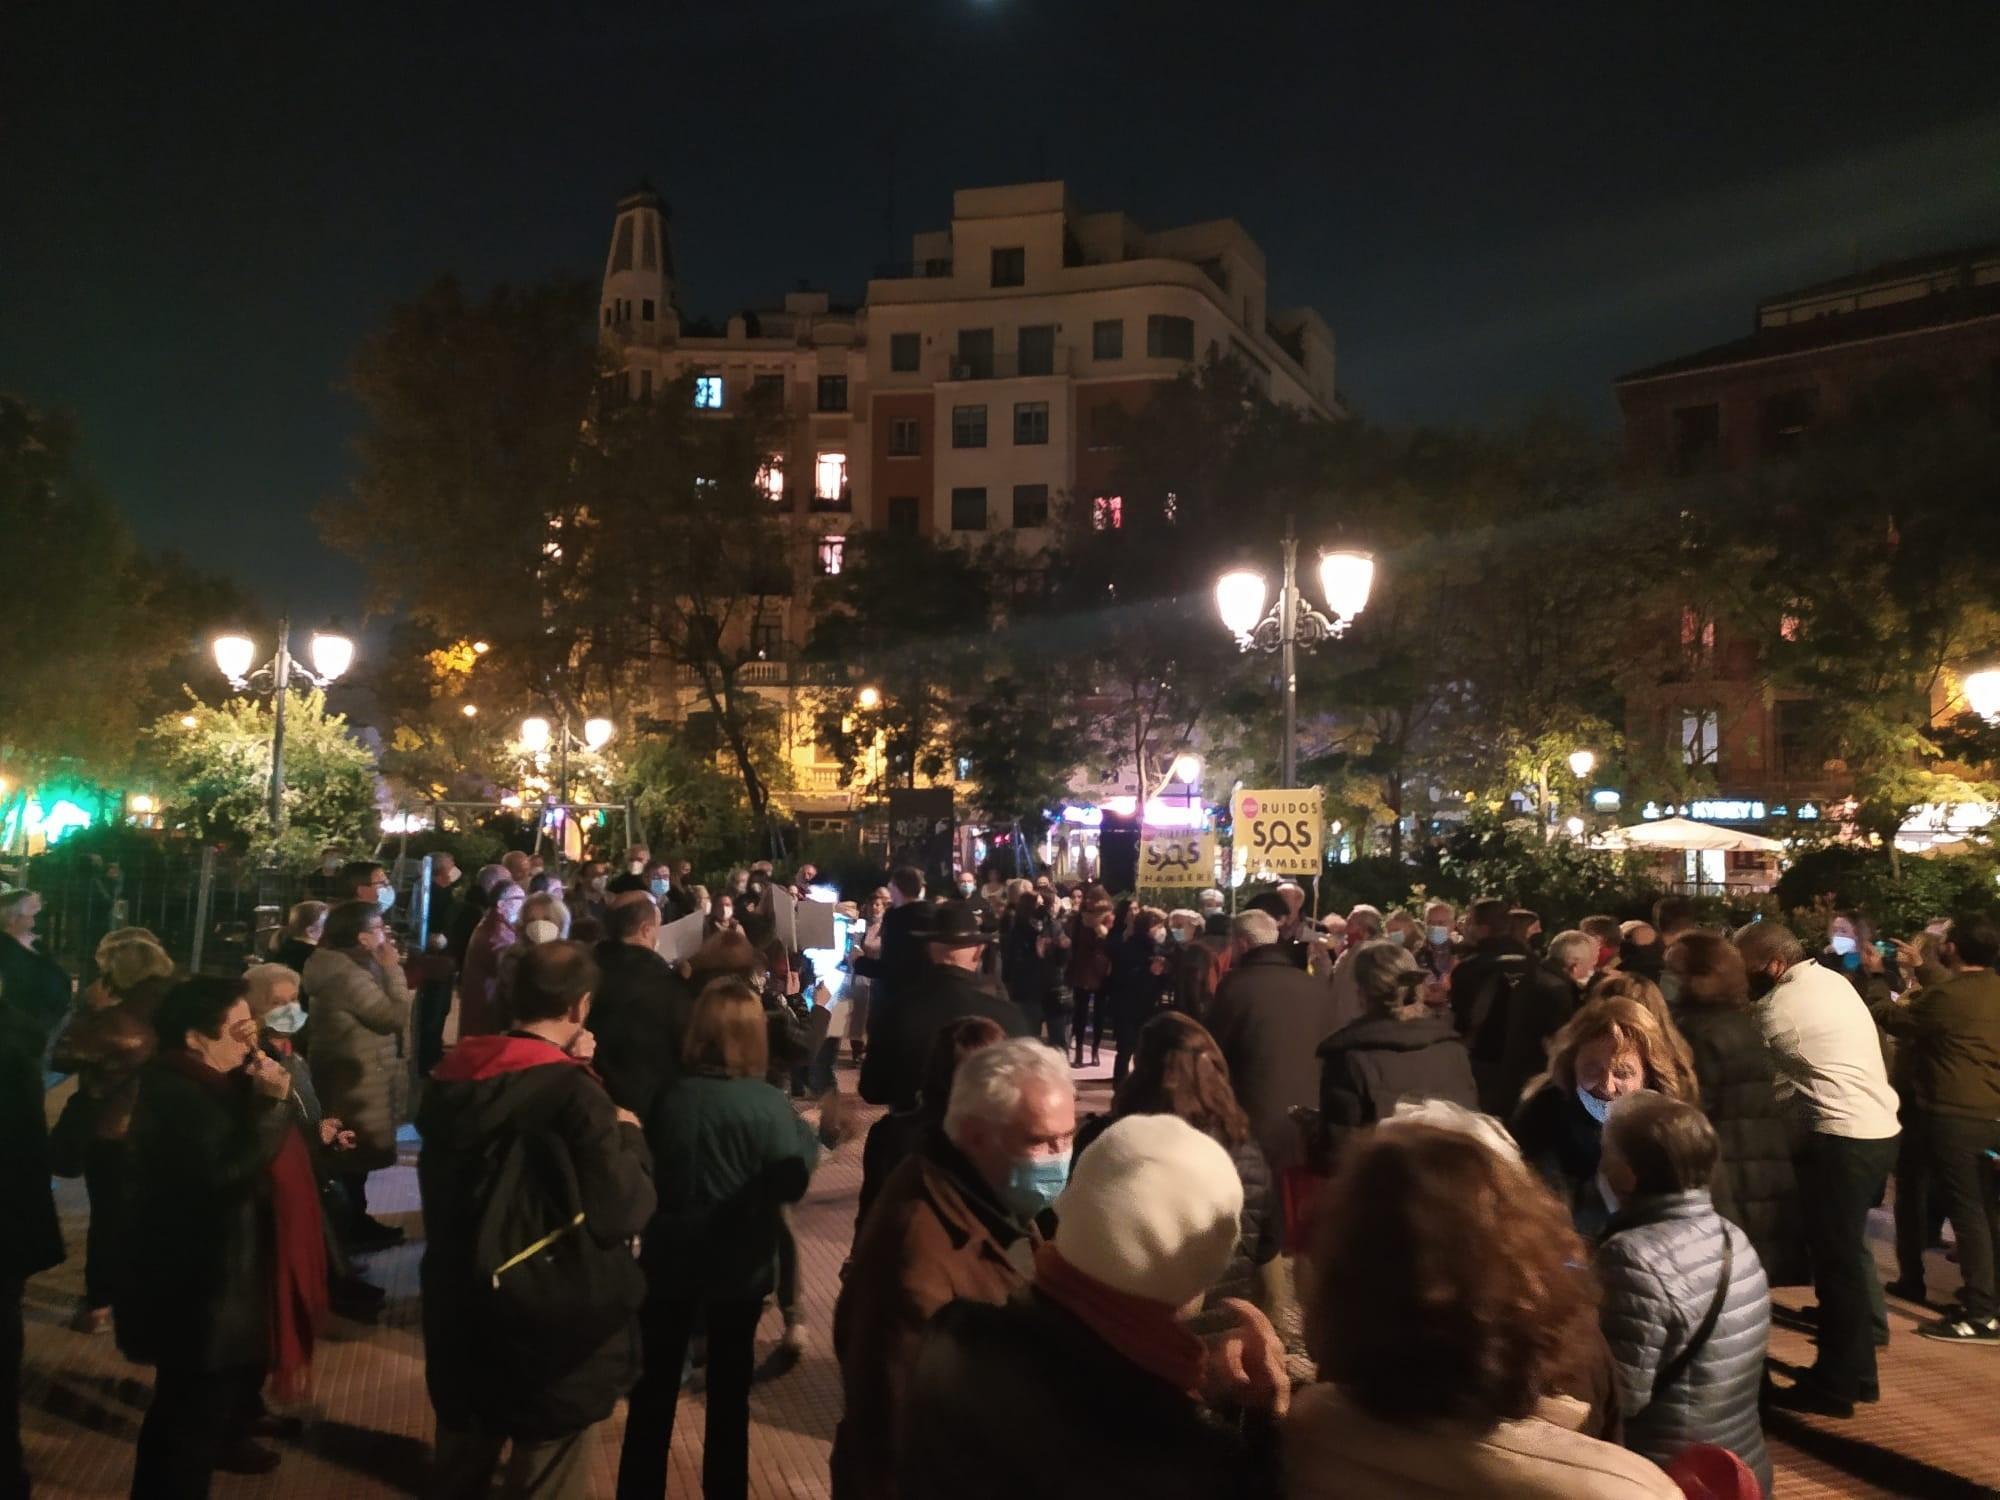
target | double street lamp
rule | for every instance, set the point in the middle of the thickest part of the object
(537, 734)
(332, 654)
(1344, 577)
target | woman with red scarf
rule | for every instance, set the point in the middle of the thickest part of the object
(1091, 1383)
(227, 1281)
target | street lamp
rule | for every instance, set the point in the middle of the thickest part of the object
(1582, 763)
(332, 654)
(537, 734)
(1982, 694)
(1345, 578)
(869, 698)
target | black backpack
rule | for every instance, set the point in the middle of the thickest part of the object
(549, 1294)
(1486, 1033)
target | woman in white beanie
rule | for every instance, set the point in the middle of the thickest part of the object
(1090, 1383)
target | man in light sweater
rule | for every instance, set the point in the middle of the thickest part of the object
(1829, 1067)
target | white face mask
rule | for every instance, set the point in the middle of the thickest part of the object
(541, 930)
(1599, 1109)
(288, 1019)
(1841, 943)
(1439, 936)
(385, 896)
(1606, 1192)
(637, 867)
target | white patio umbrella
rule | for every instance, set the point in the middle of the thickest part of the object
(1685, 833)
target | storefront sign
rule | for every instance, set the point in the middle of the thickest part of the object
(1280, 832)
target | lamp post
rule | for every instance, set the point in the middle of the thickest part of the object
(537, 733)
(1345, 578)
(332, 655)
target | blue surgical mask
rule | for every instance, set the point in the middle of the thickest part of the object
(385, 896)
(1439, 936)
(659, 887)
(288, 1019)
(1841, 943)
(1034, 1183)
(1598, 1109)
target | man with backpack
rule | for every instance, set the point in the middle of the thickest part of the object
(1507, 1003)
(534, 1185)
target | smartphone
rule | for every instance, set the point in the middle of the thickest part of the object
(1886, 949)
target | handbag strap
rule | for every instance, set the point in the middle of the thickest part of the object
(1678, 1365)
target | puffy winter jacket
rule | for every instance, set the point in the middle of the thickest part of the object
(1660, 1264)
(1755, 1188)
(360, 1017)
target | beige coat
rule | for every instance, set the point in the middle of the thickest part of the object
(1336, 1451)
(358, 1046)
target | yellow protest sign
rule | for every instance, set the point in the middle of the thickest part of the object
(1175, 857)
(1279, 832)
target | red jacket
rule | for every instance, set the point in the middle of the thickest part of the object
(479, 981)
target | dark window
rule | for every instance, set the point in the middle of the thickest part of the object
(1038, 349)
(903, 514)
(1031, 505)
(1805, 739)
(1010, 266)
(646, 310)
(1031, 423)
(607, 315)
(903, 437)
(905, 352)
(833, 393)
(968, 509)
(1107, 339)
(1169, 338)
(768, 387)
(975, 354)
(767, 635)
(1782, 420)
(645, 385)
(1697, 437)
(968, 427)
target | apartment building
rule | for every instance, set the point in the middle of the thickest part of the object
(966, 394)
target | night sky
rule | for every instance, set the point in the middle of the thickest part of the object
(202, 210)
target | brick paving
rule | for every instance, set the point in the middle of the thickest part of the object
(369, 1423)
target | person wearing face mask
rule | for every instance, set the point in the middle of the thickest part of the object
(479, 976)
(208, 1126)
(360, 1019)
(1192, 968)
(1610, 1048)
(1830, 1071)
(366, 880)
(956, 1221)
(1100, 1343)
(519, 1132)
(1438, 952)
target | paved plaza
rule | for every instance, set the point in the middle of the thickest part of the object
(1933, 1434)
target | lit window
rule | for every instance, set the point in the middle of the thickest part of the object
(708, 392)
(771, 479)
(1172, 509)
(831, 554)
(1697, 634)
(1700, 737)
(830, 479)
(1107, 512)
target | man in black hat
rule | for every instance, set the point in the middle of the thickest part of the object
(951, 988)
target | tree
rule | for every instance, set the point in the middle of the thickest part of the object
(216, 774)
(97, 633)
(1022, 739)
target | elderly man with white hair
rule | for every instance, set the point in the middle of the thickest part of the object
(957, 1221)
(1269, 1017)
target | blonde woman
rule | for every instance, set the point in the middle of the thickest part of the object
(1614, 1046)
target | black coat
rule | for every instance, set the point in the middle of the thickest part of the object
(893, 1071)
(1261, 1227)
(1507, 1020)
(35, 984)
(1560, 1140)
(1269, 1018)
(1755, 1188)
(480, 1378)
(1024, 1400)
(200, 1148)
(1370, 1064)
(30, 1238)
(640, 1016)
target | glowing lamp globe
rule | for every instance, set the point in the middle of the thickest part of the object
(332, 653)
(1582, 763)
(535, 734)
(1346, 578)
(233, 654)
(597, 732)
(1239, 599)
(869, 698)
(1982, 694)
(1187, 766)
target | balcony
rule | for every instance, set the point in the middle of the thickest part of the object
(1005, 367)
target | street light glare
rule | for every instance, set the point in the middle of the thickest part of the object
(869, 698)
(141, 803)
(1982, 694)
(471, 710)
(535, 734)
(233, 654)
(1187, 766)
(597, 732)
(1239, 599)
(188, 721)
(480, 648)
(1346, 578)
(332, 653)
(1582, 763)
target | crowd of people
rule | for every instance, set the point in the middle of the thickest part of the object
(1383, 1204)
